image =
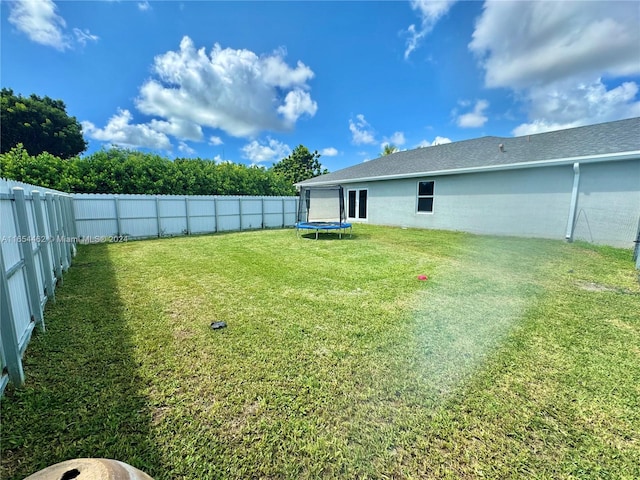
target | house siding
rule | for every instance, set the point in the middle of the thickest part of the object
(609, 203)
(532, 202)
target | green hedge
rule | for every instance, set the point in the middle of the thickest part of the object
(128, 171)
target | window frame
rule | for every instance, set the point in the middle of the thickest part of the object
(357, 204)
(423, 197)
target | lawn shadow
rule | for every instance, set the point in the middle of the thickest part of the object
(324, 236)
(83, 396)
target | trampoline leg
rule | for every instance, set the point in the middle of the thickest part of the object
(316, 234)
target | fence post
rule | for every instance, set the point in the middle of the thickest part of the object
(284, 217)
(186, 206)
(27, 255)
(74, 228)
(8, 334)
(158, 224)
(64, 252)
(215, 212)
(262, 207)
(65, 229)
(115, 199)
(240, 210)
(71, 225)
(44, 250)
(68, 234)
(53, 229)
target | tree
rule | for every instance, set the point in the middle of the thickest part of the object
(389, 148)
(40, 124)
(300, 165)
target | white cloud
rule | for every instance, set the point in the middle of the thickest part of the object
(185, 149)
(475, 118)
(554, 55)
(329, 152)
(522, 44)
(276, 72)
(119, 131)
(270, 151)
(215, 140)
(144, 6)
(40, 21)
(296, 104)
(218, 159)
(84, 36)
(179, 128)
(437, 141)
(234, 90)
(430, 12)
(361, 131)
(561, 106)
(440, 141)
(397, 139)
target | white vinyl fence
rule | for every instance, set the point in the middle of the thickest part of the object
(99, 216)
(40, 228)
(37, 243)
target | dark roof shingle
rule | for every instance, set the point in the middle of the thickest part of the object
(601, 139)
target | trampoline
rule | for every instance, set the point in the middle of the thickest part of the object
(341, 227)
(321, 209)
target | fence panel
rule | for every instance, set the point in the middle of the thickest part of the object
(144, 216)
(37, 243)
(202, 215)
(95, 215)
(172, 212)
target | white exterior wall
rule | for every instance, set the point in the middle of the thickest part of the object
(533, 202)
(609, 203)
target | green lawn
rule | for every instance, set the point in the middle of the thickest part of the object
(517, 358)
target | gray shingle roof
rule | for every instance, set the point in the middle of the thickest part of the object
(591, 140)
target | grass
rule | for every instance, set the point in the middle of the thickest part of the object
(517, 358)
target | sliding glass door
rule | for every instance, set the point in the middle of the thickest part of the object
(357, 204)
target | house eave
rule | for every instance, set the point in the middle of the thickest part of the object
(631, 155)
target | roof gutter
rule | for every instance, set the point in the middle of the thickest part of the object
(635, 154)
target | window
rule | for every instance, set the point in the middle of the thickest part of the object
(357, 204)
(362, 204)
(425, 197)
(352, 204)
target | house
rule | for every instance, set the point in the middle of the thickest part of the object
(576, 184)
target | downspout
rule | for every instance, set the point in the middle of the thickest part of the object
(574, 203)
(636, 249)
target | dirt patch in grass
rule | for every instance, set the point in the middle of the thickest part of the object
(599, 287)
(622, 325)
(183, 334)
(235, 425)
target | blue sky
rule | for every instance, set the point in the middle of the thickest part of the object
(249, 81)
